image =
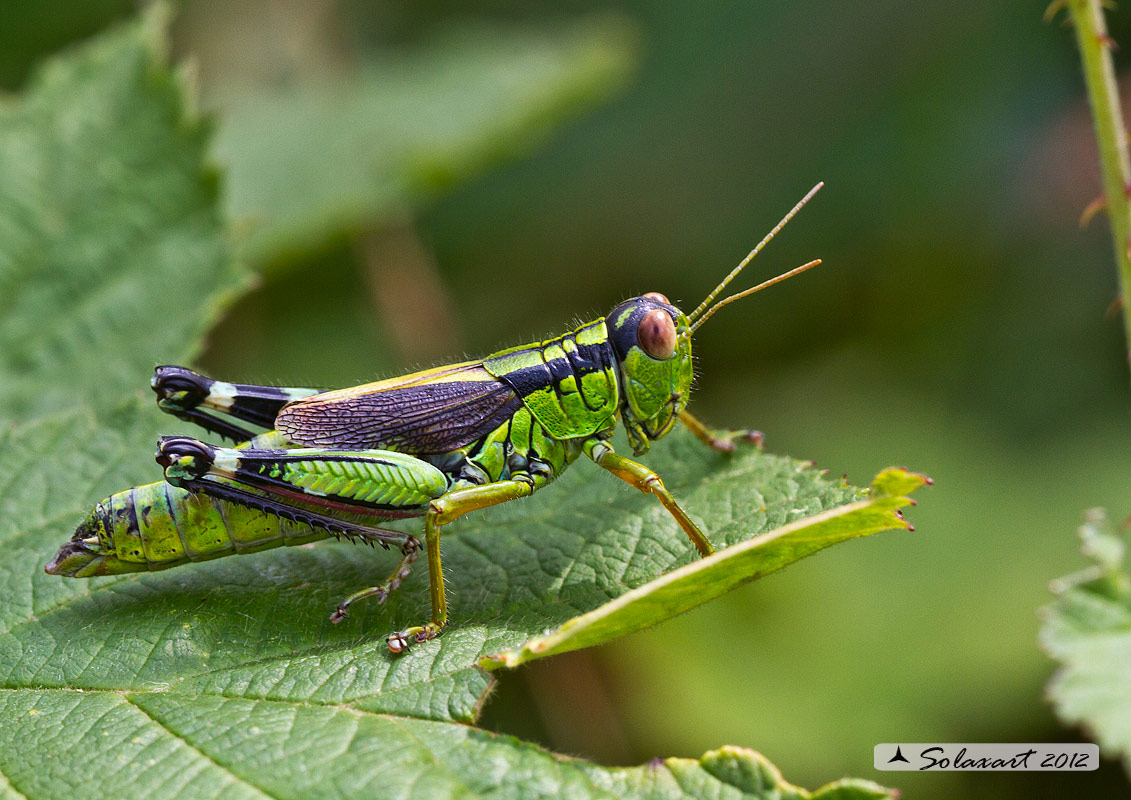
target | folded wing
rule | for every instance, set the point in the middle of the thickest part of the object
(429, 412)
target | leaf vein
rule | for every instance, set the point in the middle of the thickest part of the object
(222, 767)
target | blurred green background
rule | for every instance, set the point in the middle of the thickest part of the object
(960, 326)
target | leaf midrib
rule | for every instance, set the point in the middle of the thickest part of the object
(395, 719)
(184, 739)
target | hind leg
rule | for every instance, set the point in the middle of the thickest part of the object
(323, 488)
(198, 399)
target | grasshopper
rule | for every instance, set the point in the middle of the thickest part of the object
(435, 444)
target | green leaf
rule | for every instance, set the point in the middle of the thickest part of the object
(226, 679)
(228, 671)
(1088, 630)
(168, 745)
(257, 626)
(705, 579)
(109, 229)
(310, 161)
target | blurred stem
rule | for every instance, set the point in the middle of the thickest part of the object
(408, 292)
(1111, 134)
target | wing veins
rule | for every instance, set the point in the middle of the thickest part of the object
(434, 411)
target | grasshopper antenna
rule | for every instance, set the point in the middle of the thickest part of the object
(758, 288)
(750, 257)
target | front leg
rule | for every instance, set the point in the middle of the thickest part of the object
(723, 441)
(648, 482)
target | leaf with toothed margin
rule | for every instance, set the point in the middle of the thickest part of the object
(1088, 630)
(694, 584)
(226, 679)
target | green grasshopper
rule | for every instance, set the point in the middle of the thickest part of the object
(435, 444)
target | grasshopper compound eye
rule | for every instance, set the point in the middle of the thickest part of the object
(658, 296)
(656, 335)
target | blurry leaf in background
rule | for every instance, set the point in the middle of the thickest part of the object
(1088, 630)
(957, 325)
(316, 157)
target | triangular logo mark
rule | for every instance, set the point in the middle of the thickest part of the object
(898, 757)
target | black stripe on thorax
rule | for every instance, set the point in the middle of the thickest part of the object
(579, 361)
(560, 369)
(528, 380)
(590, 357)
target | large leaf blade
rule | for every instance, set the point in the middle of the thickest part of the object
(109, 228)
(257, 626)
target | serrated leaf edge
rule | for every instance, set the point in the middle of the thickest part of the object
(879, 499)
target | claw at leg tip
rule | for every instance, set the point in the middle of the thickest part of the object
(397, 642)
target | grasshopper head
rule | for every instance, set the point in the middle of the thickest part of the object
(652, 342)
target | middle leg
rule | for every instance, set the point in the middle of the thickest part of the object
(441, 511)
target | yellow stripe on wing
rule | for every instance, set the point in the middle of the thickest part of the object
(465, 371)
(429, 412)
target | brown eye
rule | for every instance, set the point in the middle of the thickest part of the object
(657, 296)
(656, 334)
